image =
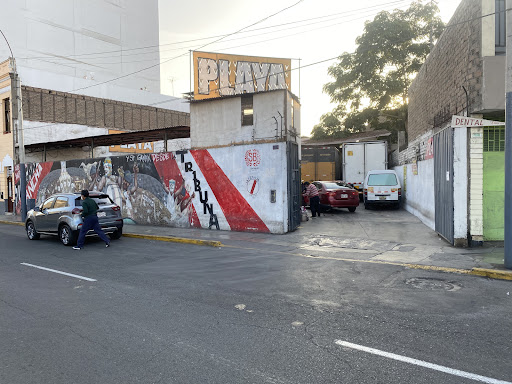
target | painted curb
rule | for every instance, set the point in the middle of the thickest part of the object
(12, 222)
(492, 273)
(170, 239)
(183, 240)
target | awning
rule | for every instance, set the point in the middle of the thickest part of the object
(115, 139)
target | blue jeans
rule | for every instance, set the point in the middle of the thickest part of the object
(91, 222)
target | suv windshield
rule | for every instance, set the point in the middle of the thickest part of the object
(378, 179)
(100, 200)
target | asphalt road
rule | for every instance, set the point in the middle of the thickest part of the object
(171, 313)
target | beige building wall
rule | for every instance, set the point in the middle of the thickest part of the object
(6, 139)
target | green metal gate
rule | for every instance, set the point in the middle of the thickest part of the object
(494, 184)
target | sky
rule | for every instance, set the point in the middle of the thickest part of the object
(310, 30)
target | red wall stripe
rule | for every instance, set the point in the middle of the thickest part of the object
(238, 212)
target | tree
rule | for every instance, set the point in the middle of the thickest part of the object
(370, 85)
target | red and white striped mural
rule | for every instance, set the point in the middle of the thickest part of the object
(221, 188)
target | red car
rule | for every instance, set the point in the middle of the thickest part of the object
(335, 195)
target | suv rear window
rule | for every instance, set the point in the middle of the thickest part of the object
(378, 179)
(100, 200)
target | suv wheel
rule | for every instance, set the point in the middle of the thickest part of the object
(351, 209)
(116, 234)
(31, 231)
(66, 235)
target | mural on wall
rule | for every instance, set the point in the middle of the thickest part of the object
(179, 189)
(218, 75)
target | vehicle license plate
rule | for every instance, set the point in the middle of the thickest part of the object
(343, 196)
(382, 197)
(102, 214)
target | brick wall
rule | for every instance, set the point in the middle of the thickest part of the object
(476, 208)
(52, 106)
(436, 94)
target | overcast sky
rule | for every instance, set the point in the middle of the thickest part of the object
(313, 30)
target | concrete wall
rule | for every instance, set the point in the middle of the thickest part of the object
(460, 186)
(493, 87)
(219, 122)
(230, 187)
(418, 190)
(69, 37)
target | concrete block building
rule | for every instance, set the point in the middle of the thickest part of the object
(454, 176)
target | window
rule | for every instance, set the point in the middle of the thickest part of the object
(48, 203)
(494, 139)
(100, 200)
(7, 115)
(500, 27)
(381, 179)
(62, 202)
(247, 111)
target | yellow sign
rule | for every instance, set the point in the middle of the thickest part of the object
(218, 75)
(350, 153)
(147, 147)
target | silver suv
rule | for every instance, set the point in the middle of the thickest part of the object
(60, 215)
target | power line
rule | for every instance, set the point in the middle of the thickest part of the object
(332, 16)
(223, 49)
(158, 64)
(308, 65)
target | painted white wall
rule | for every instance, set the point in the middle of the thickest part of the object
(419, 191)
(87, 39)
(219, 122)
(271, 174)
(35, 132)
(460, 184)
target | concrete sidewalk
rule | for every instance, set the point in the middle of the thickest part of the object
(386, 237)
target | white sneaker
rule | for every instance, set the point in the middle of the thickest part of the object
(77, 247)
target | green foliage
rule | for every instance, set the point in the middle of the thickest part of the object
(370, 85)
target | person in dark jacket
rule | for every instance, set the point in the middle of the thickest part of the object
(90, 219)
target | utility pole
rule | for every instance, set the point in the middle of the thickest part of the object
(508, 142)
(18, 127)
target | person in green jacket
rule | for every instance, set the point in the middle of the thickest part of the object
(90, 219)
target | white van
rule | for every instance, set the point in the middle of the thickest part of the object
(382, 187)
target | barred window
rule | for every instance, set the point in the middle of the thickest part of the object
(494, 139)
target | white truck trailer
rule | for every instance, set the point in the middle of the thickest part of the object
(360, 158)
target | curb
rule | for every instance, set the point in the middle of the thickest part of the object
(12, 222)
(182, 240)
(492, 273)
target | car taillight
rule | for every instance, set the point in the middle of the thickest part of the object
(399, 191)
(365, 191)
(76, 211)
(116, 208)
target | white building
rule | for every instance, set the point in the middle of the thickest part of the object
(85, 40)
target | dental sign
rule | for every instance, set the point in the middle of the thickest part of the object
(218, 75)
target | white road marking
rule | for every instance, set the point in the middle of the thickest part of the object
(59, 272)
(421, 363)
